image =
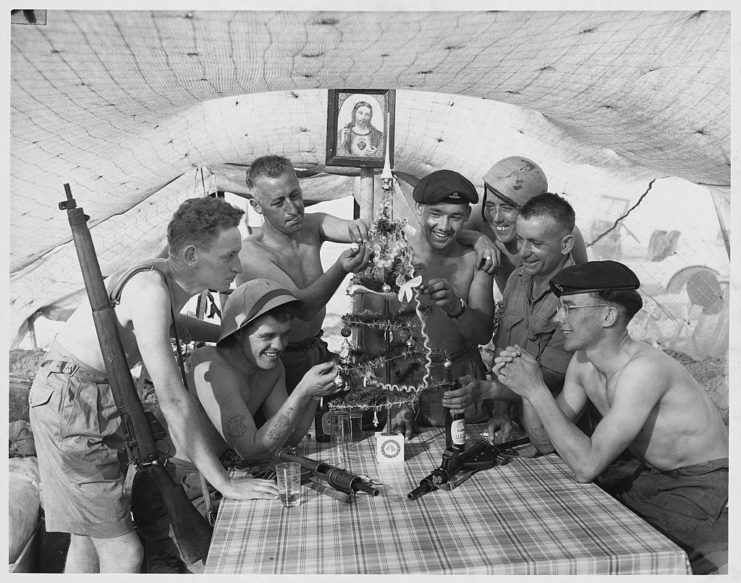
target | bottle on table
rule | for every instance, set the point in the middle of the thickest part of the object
(455, 423)
(321, 409)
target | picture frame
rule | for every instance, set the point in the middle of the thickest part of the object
(360, 125)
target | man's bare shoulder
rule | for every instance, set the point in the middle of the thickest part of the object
(144, 282)
(581, 365)
(463, 256)
(649, 373)
(212, 368)
(646, 357)
(254, 240)
(468, 254)
(145, 294)
(205, 354)
(311, 229)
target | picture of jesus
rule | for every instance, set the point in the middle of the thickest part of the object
(359, 137)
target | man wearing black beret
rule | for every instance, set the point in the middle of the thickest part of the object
(461, 296)
(650, 405)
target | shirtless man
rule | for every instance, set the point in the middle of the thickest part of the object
(650, 405)
(460, 295)
(76, 426)
(286, 250)
(243, 374)
(508, 185)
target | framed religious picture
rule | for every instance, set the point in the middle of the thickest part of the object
(360, 124)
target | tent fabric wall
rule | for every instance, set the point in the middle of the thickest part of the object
(127, 105)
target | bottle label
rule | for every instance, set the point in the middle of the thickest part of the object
(458, 432)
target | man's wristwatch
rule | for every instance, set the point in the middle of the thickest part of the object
(463, 310)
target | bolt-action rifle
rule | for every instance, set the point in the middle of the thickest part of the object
(481, 456)
(192, 532)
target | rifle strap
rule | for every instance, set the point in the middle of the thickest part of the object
(129, 480)
(210, 514)
(178, 349)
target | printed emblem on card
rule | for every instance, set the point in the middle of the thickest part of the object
(389, 448)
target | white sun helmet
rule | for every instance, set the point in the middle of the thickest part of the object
(515, 180)
(251, 300)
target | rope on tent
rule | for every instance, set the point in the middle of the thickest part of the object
(205, 190)
(630, 210)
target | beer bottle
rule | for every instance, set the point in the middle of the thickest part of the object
(455, 423)
(321, 409)
(455, 431)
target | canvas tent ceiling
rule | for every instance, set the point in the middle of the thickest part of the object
(127, 105)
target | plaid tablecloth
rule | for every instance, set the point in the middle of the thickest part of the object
(526, 517)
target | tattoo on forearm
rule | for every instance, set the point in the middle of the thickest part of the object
(236, 426)
(280, 427)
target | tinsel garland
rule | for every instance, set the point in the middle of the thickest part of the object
(378, 361)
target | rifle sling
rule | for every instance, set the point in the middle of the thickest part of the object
(201, 478)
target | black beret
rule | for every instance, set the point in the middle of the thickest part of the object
(445, 186)
(593, 276)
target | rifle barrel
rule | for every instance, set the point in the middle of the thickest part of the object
(425, 486)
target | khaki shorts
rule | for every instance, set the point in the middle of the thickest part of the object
(77, 431)
(689, 505)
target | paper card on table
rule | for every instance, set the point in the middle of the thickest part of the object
(389, 448)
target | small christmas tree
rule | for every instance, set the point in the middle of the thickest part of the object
(382, 378)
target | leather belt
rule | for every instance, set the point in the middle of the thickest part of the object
(71, 368)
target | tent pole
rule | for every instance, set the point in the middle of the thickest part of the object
(32, 332)
(366, 194)
(721, 221)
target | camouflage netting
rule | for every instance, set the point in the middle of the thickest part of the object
(140, 110)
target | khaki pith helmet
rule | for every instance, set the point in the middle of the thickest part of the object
(251, 300)
(516, 178)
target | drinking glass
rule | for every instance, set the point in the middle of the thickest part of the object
(337, 425)
(288, 476)
(356, 423)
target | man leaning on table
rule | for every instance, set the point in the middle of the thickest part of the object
(244, 373)
(650, 405)
(234, 380)
(76, 424)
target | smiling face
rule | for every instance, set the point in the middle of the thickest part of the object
(542, 245)
(264, 340)
(440, 223)
(580, 318)
(219, 264)
(501, 217)
(280, 201)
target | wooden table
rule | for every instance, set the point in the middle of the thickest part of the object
(526, 517)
